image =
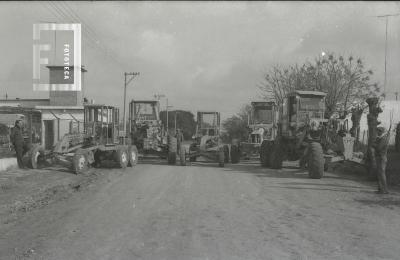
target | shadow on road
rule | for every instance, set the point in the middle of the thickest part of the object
(353, 190)
(304, 183)
(380, 201)
(257, 170)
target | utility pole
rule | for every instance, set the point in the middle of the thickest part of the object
(132, 76)
(386, 16)
(167, 116)
(175, 120)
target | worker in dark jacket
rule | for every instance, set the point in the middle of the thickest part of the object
(18, 142)
(381, 147)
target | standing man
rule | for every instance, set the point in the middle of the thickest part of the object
(381, 147)
(18, 141)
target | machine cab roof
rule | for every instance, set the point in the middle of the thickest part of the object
(263, 112)
(307, 93)
(144, 110)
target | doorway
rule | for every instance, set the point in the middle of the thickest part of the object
(48, 134)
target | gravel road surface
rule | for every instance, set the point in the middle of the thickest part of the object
(156, 211)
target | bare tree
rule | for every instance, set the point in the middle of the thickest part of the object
(346, 82)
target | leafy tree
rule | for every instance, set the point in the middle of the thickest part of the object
(345, 80)
(184, 121)
(236, 126)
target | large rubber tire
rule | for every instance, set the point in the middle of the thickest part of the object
(172, 150)
(226, 154)
(133, 155)
(182, 155)
(172, 144)
(235, 154)
(80, 162)
(35, 156)
(171, 158)
(276, 156)
(97, 159)
(316, 160)
(122, 157)
(265, 151)
(221, 158)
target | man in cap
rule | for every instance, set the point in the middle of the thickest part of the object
(381, 147)
(18, 141)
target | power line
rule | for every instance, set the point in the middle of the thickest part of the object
(62, 14)
(88, 28)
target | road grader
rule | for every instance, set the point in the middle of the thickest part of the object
(100, 140)
(262, 126)
(148, 133)
(206, 141)
(300, 128)
(304, 134)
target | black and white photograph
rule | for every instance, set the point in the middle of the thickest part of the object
(199, 130)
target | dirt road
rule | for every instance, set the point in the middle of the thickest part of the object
(204, 212)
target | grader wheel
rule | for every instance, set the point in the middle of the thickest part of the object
(80, 162)
(133, 155)
(276, 156)
(122, 157)
(265, 151)
(172, 150)
(221, 158)
(182, 155)
(316, 161)
(36, 156)
(226, 154)
(235, 153)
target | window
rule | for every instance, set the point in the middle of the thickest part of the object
(209, 121)
(263, 115)
(145, 111)
(311, 103)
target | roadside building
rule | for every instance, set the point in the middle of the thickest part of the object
(47, 119)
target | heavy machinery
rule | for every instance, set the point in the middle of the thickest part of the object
(301, 129)
(207, 141)
(99, 141)
(263, 126)
(31, 131)
(148, 133)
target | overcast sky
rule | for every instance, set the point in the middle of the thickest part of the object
(201, 55)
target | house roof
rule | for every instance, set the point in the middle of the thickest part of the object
(60, 107)
(308, 92)
(62, 67)
(145, 101)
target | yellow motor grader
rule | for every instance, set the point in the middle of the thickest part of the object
(100, 141)
(207, 141)
(304, 134)
(262, 125)
(148, 133)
